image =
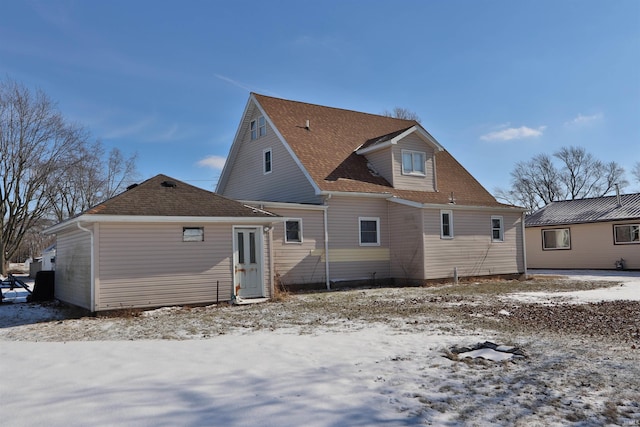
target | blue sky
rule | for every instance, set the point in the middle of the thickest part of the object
(495, 82)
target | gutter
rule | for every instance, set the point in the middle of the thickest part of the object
(92, 302)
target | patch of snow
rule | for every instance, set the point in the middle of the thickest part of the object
(487, 354)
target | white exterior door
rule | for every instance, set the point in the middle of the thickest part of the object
(248, 262)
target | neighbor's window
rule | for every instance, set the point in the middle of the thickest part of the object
(497, 229)
(369, 231)
(446, 224)
(559, 238)
(192, 234)
(267, 166)
(413, 162)
(254, 129)
(626, 234)
(262, 126)
(293, 231)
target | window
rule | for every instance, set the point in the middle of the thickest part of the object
(369, 231)
(446, 224)
(497, 229)
(413, 162)
(192, 234)
(293, 231)
(267, 166)
(626, 234)
(258, 128)
(559, 238)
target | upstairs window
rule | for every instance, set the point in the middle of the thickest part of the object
(258, 128)
(497, 229)
(293, 231)
(446, 224)
(558, 238)
(267, 166)
(626, 234)
(413, 163)
(369, 231)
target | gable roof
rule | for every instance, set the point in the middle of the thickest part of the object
(598, 209)
(166, 197)
(327, 152)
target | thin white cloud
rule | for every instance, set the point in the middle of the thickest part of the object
(513, 133)
(581, 120)
(213, 162)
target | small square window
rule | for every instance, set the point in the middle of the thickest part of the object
(413, 162)
(369, 231)
(293, 231)
(446, 224)
(192, 234)
(497, 229)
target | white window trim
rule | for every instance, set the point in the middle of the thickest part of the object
(544, 248)
(262, 128)
(253, 129)
(498, 217)
(366, 218)
(299, 221)
(413, 172)
(615, 239)
(264, 161)
(450, 235)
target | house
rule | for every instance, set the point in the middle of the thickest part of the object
(163, 242)
(594, 233)
(365, 198)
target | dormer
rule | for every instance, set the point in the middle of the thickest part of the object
(405, 158)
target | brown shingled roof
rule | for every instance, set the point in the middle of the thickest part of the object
(327, 151)
(165, 196)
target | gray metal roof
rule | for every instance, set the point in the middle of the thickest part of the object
(598, 209)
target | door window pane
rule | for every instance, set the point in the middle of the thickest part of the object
(252, 248)
(240, 248)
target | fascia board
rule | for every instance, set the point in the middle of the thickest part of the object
(453, 206)
(355, 194)
(426, 136)
(222, 181)
(162, 219)
(283, 205)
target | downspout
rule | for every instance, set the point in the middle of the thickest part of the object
(524, 245)
(271, 262)
(326, 243)
(92, 287)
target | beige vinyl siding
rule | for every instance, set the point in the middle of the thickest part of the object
(407, 250)
(347, 259)
(246, 181)
(592, 246)
(300, 263)
(147, 265)
(471, 249)
(382, 163)
(410, 182)
(73, 268)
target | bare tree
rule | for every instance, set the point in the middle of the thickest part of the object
(402, 113)
(94, 178)
(35, 143)
(636, 172)
(539, 181)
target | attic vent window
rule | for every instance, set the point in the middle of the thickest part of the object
(169, 184)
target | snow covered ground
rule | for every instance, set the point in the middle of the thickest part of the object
(351, 358)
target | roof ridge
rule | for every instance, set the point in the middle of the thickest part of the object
(415, 122)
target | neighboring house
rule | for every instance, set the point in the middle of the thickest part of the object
(366, 198)
(163, 242)
(49, 258)
(592, 233)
